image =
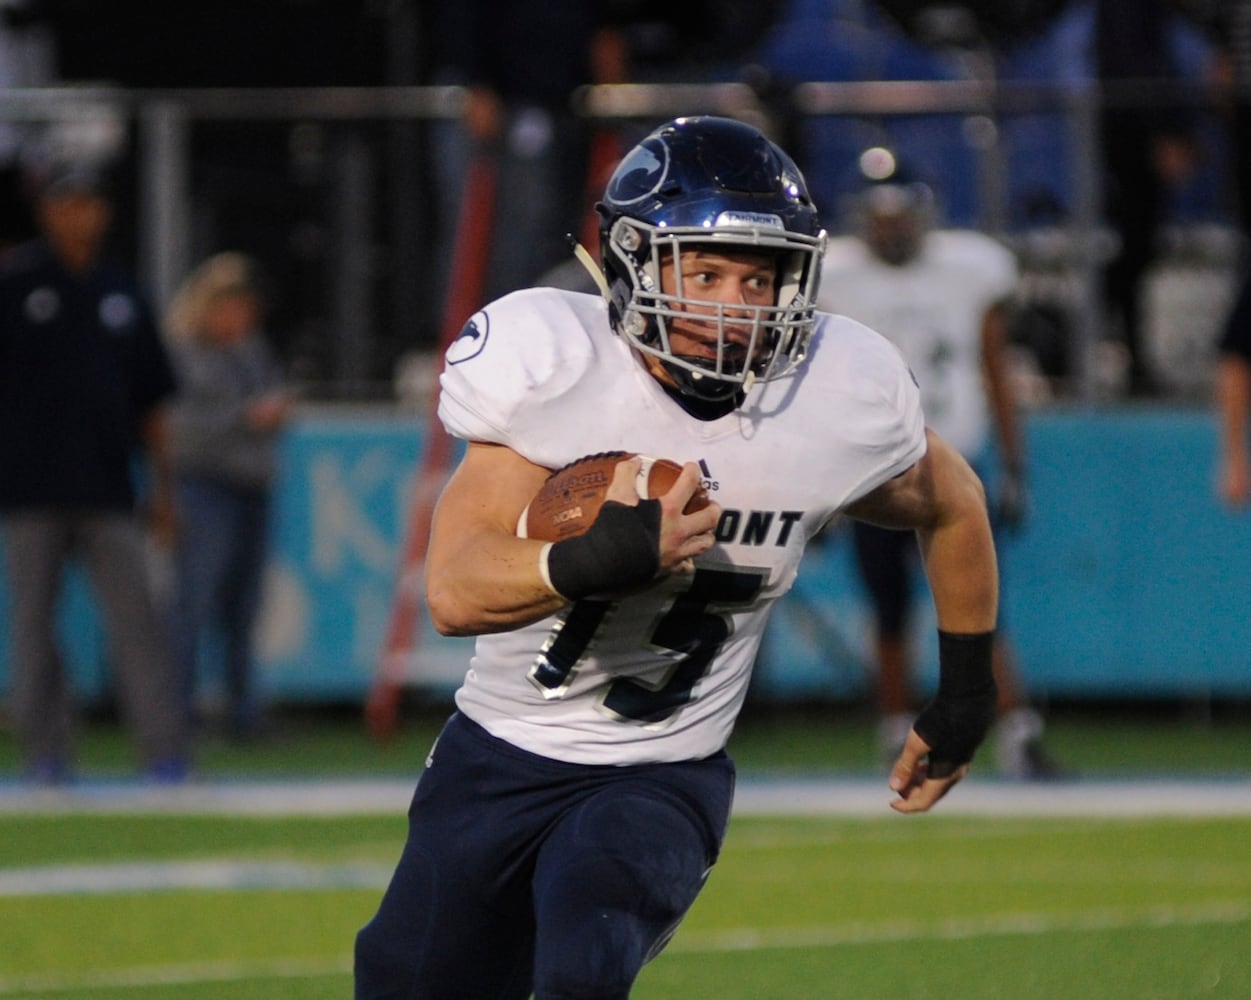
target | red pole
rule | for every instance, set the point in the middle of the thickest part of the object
(466, 287)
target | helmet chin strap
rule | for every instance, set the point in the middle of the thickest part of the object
(687, 382)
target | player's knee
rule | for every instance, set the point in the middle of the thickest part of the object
(597, 951)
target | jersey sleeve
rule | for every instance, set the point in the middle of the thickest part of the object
(510, 361)
(880, 409)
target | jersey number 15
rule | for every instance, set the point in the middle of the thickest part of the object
(690, 629)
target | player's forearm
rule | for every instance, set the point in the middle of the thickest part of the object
(960, 564)
(963, 577)
(490, 583)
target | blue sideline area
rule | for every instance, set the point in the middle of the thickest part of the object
(1128, 581)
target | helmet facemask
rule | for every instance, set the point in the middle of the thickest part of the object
(751, 343)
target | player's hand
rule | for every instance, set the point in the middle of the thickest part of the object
(682, 536)
(918, 790)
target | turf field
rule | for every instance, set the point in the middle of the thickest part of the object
(1131, 880)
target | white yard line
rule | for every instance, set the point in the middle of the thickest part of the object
(158, 876)
(756, 796)
(1146, 797)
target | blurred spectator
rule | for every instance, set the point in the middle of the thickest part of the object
(1147, 148)
(224, 428)
(845, 41)
(522, 64)
(83, 380)
(1233, 400)
(27, 59)
(943, 298)
(1233, 29)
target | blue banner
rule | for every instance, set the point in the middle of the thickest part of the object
(1128, 580)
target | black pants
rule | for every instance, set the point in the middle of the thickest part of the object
(524, 874)
(1134, 203)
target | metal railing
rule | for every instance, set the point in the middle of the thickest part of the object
(164, 121)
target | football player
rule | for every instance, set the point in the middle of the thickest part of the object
(576, 800)
(943, 297)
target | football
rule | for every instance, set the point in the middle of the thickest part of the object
(570, 499)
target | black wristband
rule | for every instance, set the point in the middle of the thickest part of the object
(962, 712)
(621, 549)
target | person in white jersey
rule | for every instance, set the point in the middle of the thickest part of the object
(575, 802)
(943, 297)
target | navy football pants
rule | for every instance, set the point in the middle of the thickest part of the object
(526, 875)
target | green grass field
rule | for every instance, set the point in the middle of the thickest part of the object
(154, 906)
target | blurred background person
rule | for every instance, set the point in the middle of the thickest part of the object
(1233, 400)
(943, 298)
(521, 65)
(84, 380)
(27, 59)
(224, 429)
(1148, 149)
(1232, 30)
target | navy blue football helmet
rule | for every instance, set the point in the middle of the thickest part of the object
(710, 183)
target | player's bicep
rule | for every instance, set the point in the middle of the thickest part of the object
(897, 503)
(924, 494)
(480, 577)
(485, 495)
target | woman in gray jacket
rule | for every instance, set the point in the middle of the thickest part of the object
(224, 430)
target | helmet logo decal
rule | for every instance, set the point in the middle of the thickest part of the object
(641, 174)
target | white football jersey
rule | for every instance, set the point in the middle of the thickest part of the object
(931, 308)
(661, 675)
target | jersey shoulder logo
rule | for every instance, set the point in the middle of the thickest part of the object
(471, 340)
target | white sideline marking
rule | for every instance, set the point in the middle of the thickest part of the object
(747, 939)
(1142, 797)
(157, 876)
(756, 796)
